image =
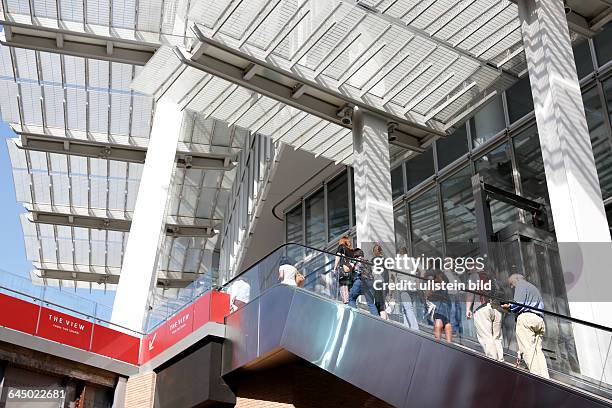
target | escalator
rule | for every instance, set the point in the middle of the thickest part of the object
(382, 362)
(402, 367)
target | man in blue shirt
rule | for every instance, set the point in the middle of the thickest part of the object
(529, 323)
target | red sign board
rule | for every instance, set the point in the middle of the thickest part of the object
(18, 314)
(173, 330)
(64, 328)
(220, 306)
(114, 344)
(212, 306)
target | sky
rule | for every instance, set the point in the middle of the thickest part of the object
(12, 247)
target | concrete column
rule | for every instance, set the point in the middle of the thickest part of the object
(119, 396)
(573, 186)
(373, 202)
(148, 222)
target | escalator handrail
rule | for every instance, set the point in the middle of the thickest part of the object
(501, 300)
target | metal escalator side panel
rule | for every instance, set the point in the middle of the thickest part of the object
(248, 336)
(241, 333)
(399, 366)
(354, 346)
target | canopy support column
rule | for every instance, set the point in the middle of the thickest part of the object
(149, 219)
(373, 199)
(578, 212)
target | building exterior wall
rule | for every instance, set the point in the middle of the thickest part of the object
(253, 173)
(140, 391)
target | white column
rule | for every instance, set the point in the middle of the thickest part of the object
(148, 222)
(573, 186)
(373, 201)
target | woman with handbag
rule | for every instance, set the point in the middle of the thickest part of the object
(343, 268)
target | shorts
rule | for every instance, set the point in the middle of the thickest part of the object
(379, 298)
(442, 312)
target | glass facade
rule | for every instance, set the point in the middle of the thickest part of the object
(458, 210)
(495, 167)
(584, 63)
(488, 122)
(337, 207)
(452, 147)
(603, 45)
(500, 142)
(425, 227)
(419, 168)
(327, 214)
(397, 182)
(293, 224)
(519, 100)
(314, 208)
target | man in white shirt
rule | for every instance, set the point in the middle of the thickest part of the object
(240, 292)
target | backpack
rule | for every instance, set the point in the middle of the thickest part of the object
(494, 294)
(362, 269)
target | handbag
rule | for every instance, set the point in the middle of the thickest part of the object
(344, 270)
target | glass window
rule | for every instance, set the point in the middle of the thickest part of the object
(294, 229)
(602, 149)
(452, 147)
(458, 207)
(397, 182)
(401, 227)
(488, 121)
(425, 225)
(315, 220)
(603, 44)
(419, 168)
(531, 166)
(337, 206)
(495, 167)
(520, 100)
(584, 62)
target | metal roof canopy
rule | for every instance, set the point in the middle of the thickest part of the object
(209, 95)
(390, 64)
(80, 199)
(403, 59)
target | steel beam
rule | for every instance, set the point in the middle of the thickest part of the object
(203, 228)
(119, 152)
(163, 280)
(80, 44)
(80, 276)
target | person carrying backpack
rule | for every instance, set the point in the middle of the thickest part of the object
(363, 280)
(485, 309)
